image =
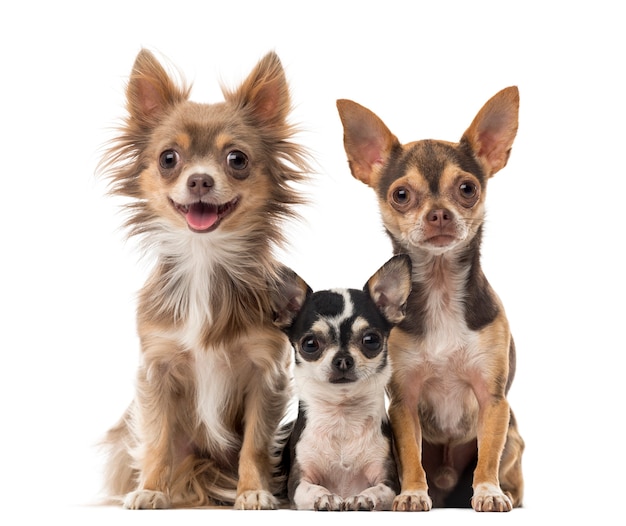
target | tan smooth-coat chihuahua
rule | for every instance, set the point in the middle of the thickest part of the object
(453, 357)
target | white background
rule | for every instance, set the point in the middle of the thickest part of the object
(553, 247)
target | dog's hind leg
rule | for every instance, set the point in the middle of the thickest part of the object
(120, 473)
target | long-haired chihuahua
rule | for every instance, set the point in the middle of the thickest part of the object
(209, 186)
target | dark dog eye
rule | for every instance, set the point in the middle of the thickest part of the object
(169, 159)
(401, 195)
(310, 345)
(237, 160)
(469, 193)
(372, 341)
(468, 189)
(310, 348)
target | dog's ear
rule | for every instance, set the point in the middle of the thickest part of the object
(264, 94)
(366, 139)
(491, 134)
(390, 287)
(288, 297)
(151, 91)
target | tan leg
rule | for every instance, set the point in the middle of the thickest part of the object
(253, 488)
(511, 478)
(408, 439)
(156, 458)
(265, 403)
(493, 423)
(162, 380)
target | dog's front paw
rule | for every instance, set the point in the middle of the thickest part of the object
(358, 503)
(412, 501)
(256, 500)
(328, 502)
(145, 499)
(488, 497)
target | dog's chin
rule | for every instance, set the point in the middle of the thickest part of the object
(204, 217)
(342, 379)
(438, 244)
(441, 242)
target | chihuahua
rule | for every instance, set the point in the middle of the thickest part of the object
(340, 453)
(452, 357)
(208, 187)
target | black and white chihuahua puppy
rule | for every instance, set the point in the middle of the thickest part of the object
(340, 453)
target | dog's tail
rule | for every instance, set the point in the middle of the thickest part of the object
(201, 482)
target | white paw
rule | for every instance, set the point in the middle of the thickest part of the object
(413, 501)
(328, 502)
(379, 497)
(145, 499)
(489, 497)
(358, 503)
(256, 500)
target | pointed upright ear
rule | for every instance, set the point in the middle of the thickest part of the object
(390, 287)
(366, 139)
(491, 134)
(264, 94)
(288, 297)
(151, 91)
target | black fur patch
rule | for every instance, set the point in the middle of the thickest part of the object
(328, 304)
(481, 307)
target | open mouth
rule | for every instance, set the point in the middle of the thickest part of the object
(205, 217)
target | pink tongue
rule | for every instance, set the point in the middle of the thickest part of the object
(201, 216)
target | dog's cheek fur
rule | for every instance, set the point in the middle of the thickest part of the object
(156, 205)
(316, 373)
(257, 203)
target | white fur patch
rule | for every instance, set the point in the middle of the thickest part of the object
(194, 258)
(445, 357)
(214, 380)
(343, 454)
(489, 497)
(342, 447)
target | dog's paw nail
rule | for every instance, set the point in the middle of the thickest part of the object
(329, 502)
(256, 500)
(358, 503)
(412, 501)
(490, 498)
(144, 499)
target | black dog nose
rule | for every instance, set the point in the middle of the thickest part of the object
(200, 184)
(343, 362)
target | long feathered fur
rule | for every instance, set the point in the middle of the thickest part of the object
(212, 359)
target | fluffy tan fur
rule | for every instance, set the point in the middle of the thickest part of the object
(213, 381)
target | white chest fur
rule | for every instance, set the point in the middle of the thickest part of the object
(446, 355)
(219, 372)
(342, 447)
(215, 387)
